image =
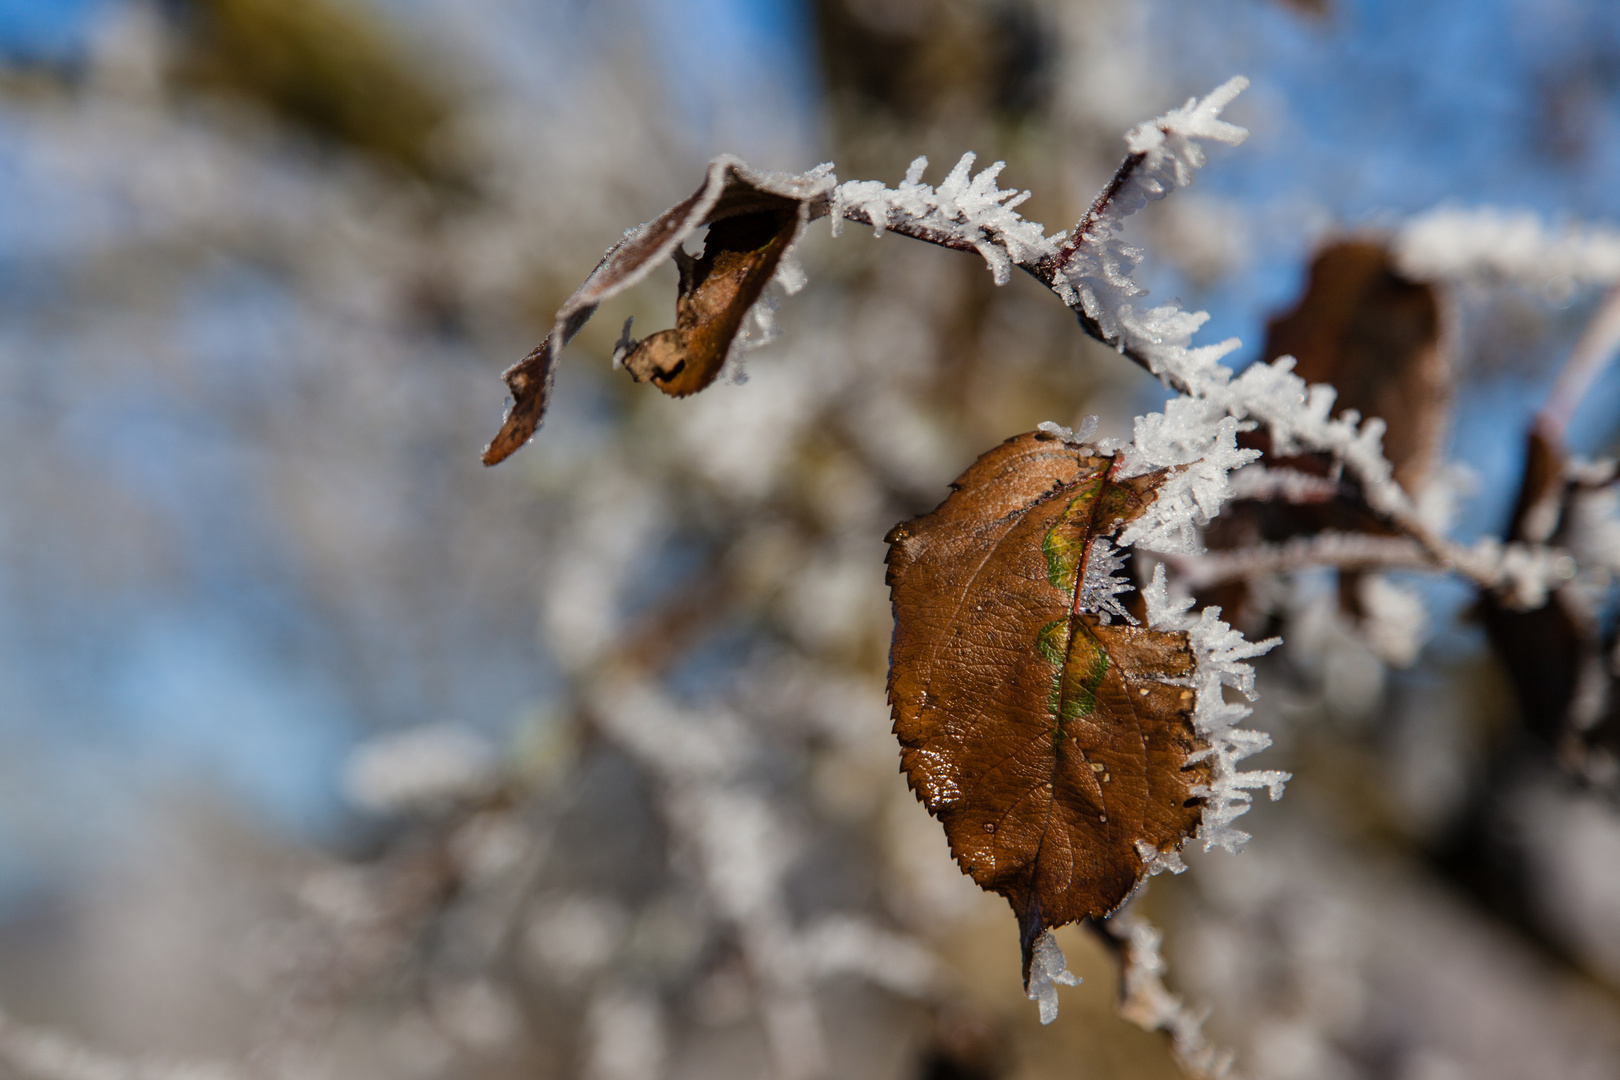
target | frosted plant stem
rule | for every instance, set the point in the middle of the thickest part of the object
(1591, 355)
(1349, 551)
(1146, 1002)
(735, 844)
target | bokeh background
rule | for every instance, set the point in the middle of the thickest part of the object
(261, 263)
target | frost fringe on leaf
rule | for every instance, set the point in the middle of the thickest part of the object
(1220, 652)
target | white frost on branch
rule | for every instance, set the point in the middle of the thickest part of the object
(1196, 432)
(1219, 653)
(1523, 574)
(725, 826)
(1345, 550)
(1593, 523)
(1096, 276)
(1509, 245)
(1265, 484)
(1395, 620)
(1198, 445)
(969, 210)
(422, 768)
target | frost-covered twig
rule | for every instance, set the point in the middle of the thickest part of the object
(1347, 551)
(739, 847)
(1146, 1002)
(1592, 353)
(1450, 242)
(965, 212)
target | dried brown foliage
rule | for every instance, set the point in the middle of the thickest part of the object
(1373, 335)
(753, 217)
(1053, 746)
(739, 256)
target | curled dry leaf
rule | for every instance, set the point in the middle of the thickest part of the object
(1056, 748)
(1548, 652)
(754, 217)
(739, 256)
(1375, 336)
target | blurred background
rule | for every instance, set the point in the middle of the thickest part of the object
(325, 751)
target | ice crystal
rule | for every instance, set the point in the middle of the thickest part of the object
(1511, 245)
(1149, 1004)
(1102, 582)
(1220, 653)
(1047, 971)
(1072, 436)
(965, 210)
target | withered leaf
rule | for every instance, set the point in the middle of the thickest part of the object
(739, 256)
(1545, 651)
(1374, 335)
(1053, 747)
(754, 217)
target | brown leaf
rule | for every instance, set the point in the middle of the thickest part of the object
(1546, 652)
(1049, 743)
(739, 256)
(754, 217)
(1374, 335)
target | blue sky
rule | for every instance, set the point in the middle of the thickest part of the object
(49, 29)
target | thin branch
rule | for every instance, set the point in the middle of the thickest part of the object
(1591, 355)
(1085, 231)
(1346, 551)
(1146, 1002)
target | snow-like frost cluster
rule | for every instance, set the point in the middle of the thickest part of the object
(1199, 447)
(1096, 276)
(968, 209)
(1509, 245)
(1219, 652)
(1102, 582)
(1395, 620)
(1149, 1004)
(421, 768)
